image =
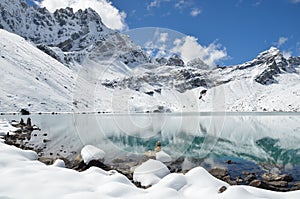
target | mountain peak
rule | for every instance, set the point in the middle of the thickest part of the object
(272, 52)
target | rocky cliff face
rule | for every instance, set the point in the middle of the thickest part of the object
(264, 70)
(65, 35)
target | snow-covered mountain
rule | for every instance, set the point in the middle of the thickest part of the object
(66, 61)
(65, 35)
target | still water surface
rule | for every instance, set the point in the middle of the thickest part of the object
(268, 140)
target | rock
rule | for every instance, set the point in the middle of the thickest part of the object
(150, 154)
(218, 172)
(59, 163)
(228, 161)
(278, 183)
(229, 181)
(175, 61)
(222, 189)
(22, 122)
(150, 172)
(250, 177)
(89, 153)
(45, 160)
(258, 184)
(265, 185)
(276, 177)
(296, 186)
(28, 123)
(163, 157)
(239, 180)
(24, 112)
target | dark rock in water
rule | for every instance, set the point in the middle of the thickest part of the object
(151, 93)
(28, 123)
(278, 183)
(250, 177)
(79, 165)
(258, 184)
(24, 112)
(218, 172)
(222, 189)
(229, 181)
(239, 180)
(230, 162)
(296, 186)
(266, 185)
(22, 122)
(276, 177)
(47, 161)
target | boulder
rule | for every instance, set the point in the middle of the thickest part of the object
(218, 172)
(163, 157)
(150, 172)
(89, 153)
(276, 177)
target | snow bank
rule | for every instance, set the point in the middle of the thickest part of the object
(150, 172)
(59, 163)
(163, 156)
(6, 128)
(89, 153)
(22, 176)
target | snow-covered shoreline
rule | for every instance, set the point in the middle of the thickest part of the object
(25, 177)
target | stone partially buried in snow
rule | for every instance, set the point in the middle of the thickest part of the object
(150, 172)
(163, 156)
(89, 153)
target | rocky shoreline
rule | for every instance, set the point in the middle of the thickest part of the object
(276, 182)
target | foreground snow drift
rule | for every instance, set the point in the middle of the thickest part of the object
(22, 176)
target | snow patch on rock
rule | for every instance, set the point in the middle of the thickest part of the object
(89, 153)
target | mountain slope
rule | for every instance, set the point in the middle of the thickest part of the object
(66, 35)
(71, 62)
(30, 78)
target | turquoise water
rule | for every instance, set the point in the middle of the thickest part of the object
(202, 138)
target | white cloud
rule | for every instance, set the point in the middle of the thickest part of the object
(195, 12)
(281, 41)
(111, 16)
(180, 4)
(155, 4)
(158, 45)
(189, 48)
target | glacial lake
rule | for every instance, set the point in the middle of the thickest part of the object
(270, 141)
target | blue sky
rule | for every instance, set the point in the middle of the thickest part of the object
(240, 28)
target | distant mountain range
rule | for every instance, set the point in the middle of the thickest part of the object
(66, 61)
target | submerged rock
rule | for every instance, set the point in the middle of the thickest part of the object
(218, 172)
(276, 177)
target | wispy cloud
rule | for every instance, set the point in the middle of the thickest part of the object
(180, 4)
(155, 4)
(257, 3)
(195, 12)
(281, 41)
